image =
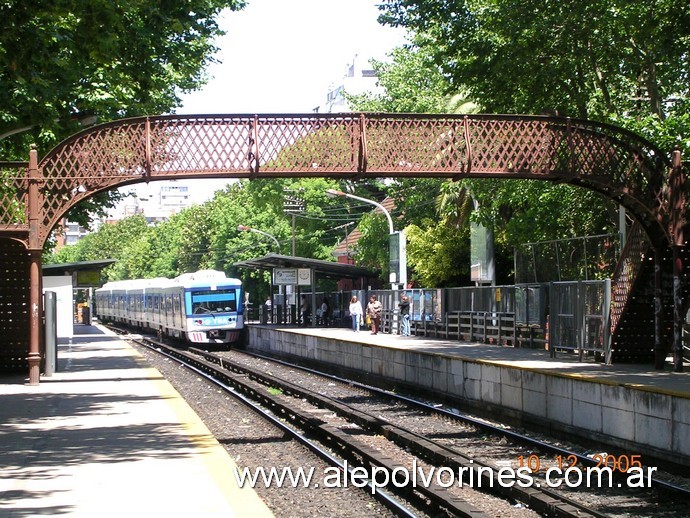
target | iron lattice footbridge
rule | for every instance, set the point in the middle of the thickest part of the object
(36, 195)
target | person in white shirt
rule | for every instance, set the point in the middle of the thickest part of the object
(356, 313)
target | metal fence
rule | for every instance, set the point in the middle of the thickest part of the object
(579, 258)
(558, 316)
(579, 317)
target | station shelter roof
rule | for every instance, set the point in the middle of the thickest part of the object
(324, 269)
(85, 274)
(68, 268)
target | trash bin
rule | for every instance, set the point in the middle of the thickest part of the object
(86, 315)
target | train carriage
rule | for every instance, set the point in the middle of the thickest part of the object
(203, 307)
(213, 307)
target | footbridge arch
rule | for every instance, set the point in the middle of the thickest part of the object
(600, 157)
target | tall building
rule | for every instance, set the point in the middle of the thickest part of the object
(157, 201)
(173, 198)
(71, 233)
(359, 78)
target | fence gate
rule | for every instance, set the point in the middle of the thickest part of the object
(579, 317)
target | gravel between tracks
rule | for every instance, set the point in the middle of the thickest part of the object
(253, 443)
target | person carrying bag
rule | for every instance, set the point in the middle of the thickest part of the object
(374, 310)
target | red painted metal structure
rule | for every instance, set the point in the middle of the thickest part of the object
(604, 158)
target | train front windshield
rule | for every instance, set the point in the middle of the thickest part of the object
(218, 301)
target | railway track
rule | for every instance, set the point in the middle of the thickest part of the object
(352, 458)
(498, 448)
(340, 421)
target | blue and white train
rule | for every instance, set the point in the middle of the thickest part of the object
(204, 307)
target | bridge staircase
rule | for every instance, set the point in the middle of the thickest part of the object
(632, 300)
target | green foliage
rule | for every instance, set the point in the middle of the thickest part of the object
(111, 59)
(668, 134)
(585, 59)
(524, 211)
(60, 60)
(439, 254)
(372, 249)
(110, 242)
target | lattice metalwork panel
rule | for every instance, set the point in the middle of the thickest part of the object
(415, 146)
(14, 306)
(357, 145)
(201, 145)
(631, 262)
(308, 146)
(13, 200)
(522, 148)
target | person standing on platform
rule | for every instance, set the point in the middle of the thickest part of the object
(374, 310)
(356, 313)
(325, 312)
(267, 308)
(404, 306)
(305, 310)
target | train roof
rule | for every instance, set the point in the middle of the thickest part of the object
(138, 284)
(200, 278)
(205, 278)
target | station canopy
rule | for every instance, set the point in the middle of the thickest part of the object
(85, 274)
(324, 269)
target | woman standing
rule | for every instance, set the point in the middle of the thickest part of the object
(404, 306)
(374, 309)
(356, 313)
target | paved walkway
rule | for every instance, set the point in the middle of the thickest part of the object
(107, 436)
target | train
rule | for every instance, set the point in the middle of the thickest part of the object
(204, 307)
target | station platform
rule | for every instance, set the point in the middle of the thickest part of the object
(108, 436)
(640, 376)
(631, 407)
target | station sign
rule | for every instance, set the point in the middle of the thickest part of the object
(86, 278)
(292, 276)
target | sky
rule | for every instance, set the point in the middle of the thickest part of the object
(281, 56)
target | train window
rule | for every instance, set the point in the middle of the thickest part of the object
(217, 301)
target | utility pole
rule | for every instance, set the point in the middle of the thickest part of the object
(293, 205)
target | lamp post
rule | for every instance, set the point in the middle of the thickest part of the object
(245, 228)
(401, 274)
(250, 229)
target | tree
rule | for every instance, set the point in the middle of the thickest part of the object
(584, 59)
(518, 211)
(440, 254)
(110, 242)
(60, 60)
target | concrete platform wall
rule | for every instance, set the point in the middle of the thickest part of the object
(637, 420)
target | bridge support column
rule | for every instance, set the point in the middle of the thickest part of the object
(34, 358)
(676, 183)
(677, 312)
(659, 345)
(35, 251)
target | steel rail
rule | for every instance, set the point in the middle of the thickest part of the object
(541, 500)
(213, 376)
(454, 414)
